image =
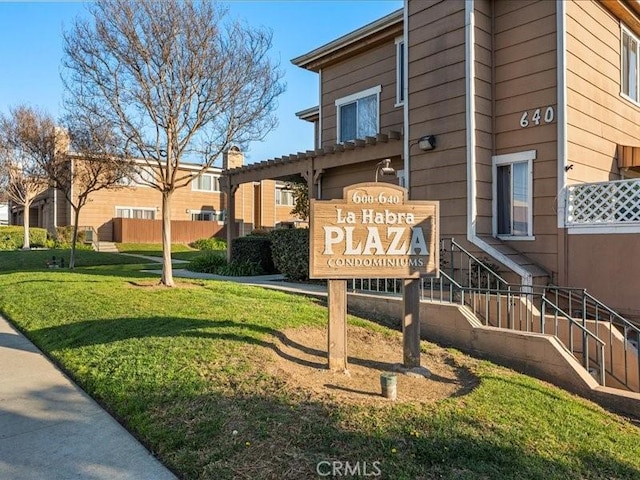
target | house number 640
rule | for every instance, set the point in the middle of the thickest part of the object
(537, 117)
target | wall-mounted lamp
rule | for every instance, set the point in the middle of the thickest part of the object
(384, 168)
(188, 210)
(428, 142)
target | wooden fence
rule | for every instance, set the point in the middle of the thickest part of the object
(133, 230)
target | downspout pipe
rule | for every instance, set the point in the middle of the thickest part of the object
(405, 96)
(472, 206)
(562, 109)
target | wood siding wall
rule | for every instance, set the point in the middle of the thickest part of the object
(607, 266)
(436, 79)
(369, 69)
(133, 230)
(334, 180)
(598, 116)
(525, 79)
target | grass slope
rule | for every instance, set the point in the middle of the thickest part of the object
(183, 369)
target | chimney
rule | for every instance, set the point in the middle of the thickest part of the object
(62, 140)
(232, 158)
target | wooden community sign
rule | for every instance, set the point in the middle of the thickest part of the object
(373, 232)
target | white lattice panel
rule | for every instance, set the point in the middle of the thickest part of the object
(604, 203)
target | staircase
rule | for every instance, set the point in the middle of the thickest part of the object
(108, 247)
(604, 342)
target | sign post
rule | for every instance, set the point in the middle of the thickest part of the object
(373, 232)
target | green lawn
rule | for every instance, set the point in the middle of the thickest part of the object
(185, 367)
(13, 260)
(179, 251)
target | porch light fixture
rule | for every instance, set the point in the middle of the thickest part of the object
(428, 142)
(384, 168)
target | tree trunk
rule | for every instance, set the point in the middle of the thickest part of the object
(74, 239)
(167, 269)
(26, 243)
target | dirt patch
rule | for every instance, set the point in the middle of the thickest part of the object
(300, 360)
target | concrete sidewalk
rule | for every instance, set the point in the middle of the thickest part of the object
(274, 282)
(50, 429)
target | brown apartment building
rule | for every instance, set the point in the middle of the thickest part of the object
(521, 117)
(131, 212)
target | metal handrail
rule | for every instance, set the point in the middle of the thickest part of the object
(588, 303)
(492, 299)
(472, 260)
(585, 343)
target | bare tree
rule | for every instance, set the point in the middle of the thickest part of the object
(86, 162)
(27, 141)
(178, 80)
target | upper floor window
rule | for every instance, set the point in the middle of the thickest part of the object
(629, 65)
(136, 212)
(513, 195)
(141, 177)
(400, 73)
(358, 114)
(206, 183)
(284, 197)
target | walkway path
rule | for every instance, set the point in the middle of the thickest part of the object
(50, 429)
(151, 258)
(275, 282)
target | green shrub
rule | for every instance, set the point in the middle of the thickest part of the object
(210, 262)
(254, 249)
(215, 262)
(209, 244)
(290, 251)
(240, 269)
(64, 236)
(261, 232)
(12, 237)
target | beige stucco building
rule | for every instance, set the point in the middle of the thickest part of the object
(131, 212)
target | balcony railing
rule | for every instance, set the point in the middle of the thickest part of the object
(604, 204)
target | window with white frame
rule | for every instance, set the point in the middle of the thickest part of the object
(629, 65)
(358, 114)
(206, 215)
(513, 195)
(400, 73)
(284, 197)
(136, 212)
(206, 183)
(142, 177)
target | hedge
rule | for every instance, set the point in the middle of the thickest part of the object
(290, 249)
(254, 249)
(12, 237)
(209, 244)
(64, 237)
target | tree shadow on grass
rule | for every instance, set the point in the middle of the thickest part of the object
(98, 332)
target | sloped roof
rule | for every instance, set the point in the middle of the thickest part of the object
(353, 42)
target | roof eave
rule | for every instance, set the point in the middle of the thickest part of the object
(310, 60)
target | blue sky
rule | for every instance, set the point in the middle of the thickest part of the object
(31, 50)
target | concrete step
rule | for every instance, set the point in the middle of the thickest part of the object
(108, 247)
